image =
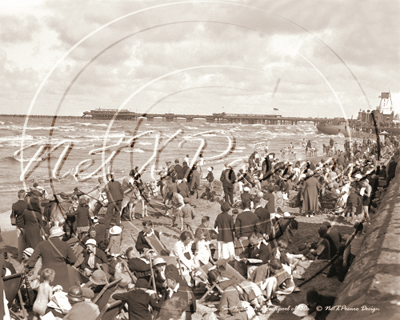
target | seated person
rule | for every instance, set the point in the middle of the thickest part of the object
(257, 249)
(141, 242)
(140, 266)
(93, 257)
(81, 308)
(202, 253)
(183, 251)
(120, 273)
(276, 276)
(138, 300)
(159, 265)
(208, 195)
(322, 248)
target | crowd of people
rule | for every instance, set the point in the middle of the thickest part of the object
(244, 251)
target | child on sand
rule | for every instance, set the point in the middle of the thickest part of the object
(114, 247)
(45, 291)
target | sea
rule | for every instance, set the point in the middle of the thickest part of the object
(74, 156)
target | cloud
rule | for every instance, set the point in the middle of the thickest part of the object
(15, 29)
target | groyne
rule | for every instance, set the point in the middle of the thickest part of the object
(371, 289)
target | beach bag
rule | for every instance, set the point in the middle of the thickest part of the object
(13, 219)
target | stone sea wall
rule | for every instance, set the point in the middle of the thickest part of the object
(371, 289)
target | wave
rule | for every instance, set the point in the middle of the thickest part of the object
(134, 150)
(145, 143)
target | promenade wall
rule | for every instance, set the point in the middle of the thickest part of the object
(373, 281)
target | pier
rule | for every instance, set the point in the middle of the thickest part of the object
(108, 114)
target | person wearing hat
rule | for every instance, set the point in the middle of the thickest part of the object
(264, 217)
(138, 301)
(114, 246)
(92, 257)
(159, 265)
(55, 254)
(228, 179)
(115, 194)
(247, 197)
(319, 303)
(38, 191)
(353, 205)
(34, 223)
(81, 308)
(226, 232)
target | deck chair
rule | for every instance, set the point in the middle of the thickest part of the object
(157, 245)
(110, 311)
(230, 273)
(104, 295)
(12, 283)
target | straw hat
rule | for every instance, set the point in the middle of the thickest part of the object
(246, 189)
(28, 251)
(91, 242)
(99, 277)
(115, 230)
(159, 261)
(56, 232)
(301, 310)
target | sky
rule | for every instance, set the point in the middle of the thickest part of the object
(309, 58)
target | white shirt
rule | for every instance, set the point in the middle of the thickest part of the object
(179, 251)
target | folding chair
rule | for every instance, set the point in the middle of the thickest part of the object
(12, 284)
(104, 295)
(157, 245)
(110, 311)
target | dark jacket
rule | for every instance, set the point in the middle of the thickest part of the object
(180, 173)
(226, 227)
(263, 253)
(183, 189)
(18, 209)
(114, 191)
(140, 268)
(55, 255)
(100, 258)
(138, 303)
(264, 220)
(141, 242)
(246, 224)
(228, 178)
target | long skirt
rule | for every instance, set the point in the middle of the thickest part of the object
(225, 250)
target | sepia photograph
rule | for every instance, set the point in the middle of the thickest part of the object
(199, 159)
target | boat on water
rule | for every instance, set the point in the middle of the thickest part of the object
(364, 126)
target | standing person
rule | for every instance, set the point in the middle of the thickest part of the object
(194, 186)
(18, 209)
(114, 195)
(200, 163)
(33, 223)
(264, 218)
(228, 178)
(245, 225)
(391, 170)
(180, 174)
(226, 229)
(186, 159)
(366, 199)
(187, 213)
(176, 202)
(210, 178)
(310, 194)
(83, 218)
(55, 255)
(269, 197)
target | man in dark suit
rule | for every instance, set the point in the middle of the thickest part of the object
(138, 301)
(256, 249)
(264, 218)
(228, 178)
(180, 174)
(92, 257)
(18, 209)
(140, 266)
(115, 195)
(246, 223)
